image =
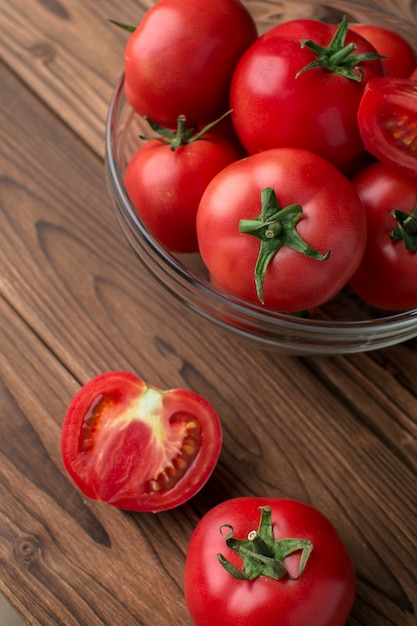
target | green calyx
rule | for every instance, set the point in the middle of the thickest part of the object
(406, 228)
(183, 135)
(262, 554)
(338, 57)
(275, 227)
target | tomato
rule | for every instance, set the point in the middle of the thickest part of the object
(387, 276)
(137, 447)
(288, 92)
(387, 117)
(165, 180)
(331, 220)
(314, 585)
(180, 58)
(400, 58)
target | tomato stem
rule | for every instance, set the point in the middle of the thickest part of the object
(275, 227)
(406, 228)
(128, 27)
(262, 554)
(338, 57)
(183, 134)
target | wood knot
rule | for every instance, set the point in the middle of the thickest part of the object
(44, 51)
(27, 548)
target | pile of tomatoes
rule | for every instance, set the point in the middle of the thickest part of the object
(321, 114)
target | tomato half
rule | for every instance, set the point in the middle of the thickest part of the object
(313, 586)
(331, 220)
(387, 118)
(180, 58)
(399, 57)
(278, 102)
(137, 447)
(387, 276)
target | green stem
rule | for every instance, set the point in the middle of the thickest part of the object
(262, 554)
(183, 135)
(276, 227)
(406, 229)
(338, 57)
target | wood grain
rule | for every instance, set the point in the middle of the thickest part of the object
(340, 433)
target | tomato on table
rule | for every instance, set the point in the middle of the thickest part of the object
(137, 447)
(283, 228)
(387, 276)
(299, 85)
(387, 117)
(400, 58)
(167, 176)
(258, 561)
(180, 58)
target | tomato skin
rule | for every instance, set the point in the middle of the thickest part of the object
(387, 118)
(180, 58)
(166, 186)
(120, 435)
(322, 596)
(333, 219)
(400, 58)
(272, 107)
(387, 276)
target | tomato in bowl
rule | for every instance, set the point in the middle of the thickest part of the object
(343, 324)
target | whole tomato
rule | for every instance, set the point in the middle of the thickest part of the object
(400, 59)
(137, 447)
(260, 561)
(387, 276)
(167, 176)
(180, 58)
(282, 227)
(387, 117)
(300, 85)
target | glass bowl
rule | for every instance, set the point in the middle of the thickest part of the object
(344, 325)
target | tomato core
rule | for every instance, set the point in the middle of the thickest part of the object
(188, 441)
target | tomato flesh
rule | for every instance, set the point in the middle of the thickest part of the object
(387, 118)
(136, 446)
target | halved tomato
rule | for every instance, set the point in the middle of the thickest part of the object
(387, 118)
(137, 447)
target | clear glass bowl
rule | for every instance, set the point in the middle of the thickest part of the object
(344, 325)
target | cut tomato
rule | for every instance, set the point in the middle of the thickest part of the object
(137, 447)
(387, 118)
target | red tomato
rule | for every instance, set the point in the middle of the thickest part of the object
(274, 105)
(331, 219)
(400, 58)
(387, 276)
(180, 58)
(387, 117)
(321, 594)
(137, 447)
(165, 185)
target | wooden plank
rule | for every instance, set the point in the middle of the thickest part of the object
(70, 55)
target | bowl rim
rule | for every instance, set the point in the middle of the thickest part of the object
(384, 324)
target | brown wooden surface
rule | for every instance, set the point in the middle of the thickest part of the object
(340, 433)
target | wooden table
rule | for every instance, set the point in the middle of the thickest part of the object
(340, 433)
